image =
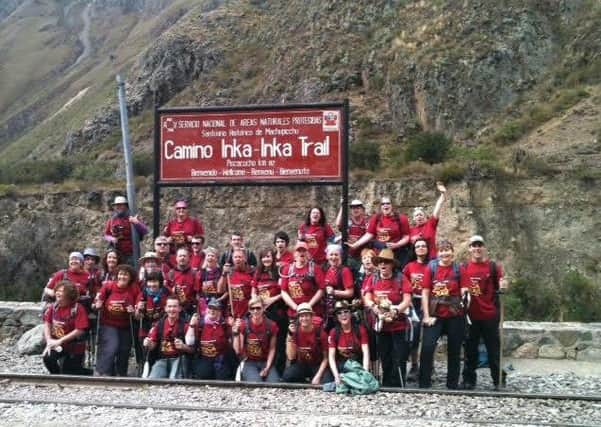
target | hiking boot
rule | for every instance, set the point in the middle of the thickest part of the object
(413, 374)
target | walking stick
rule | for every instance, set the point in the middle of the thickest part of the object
(97, 339)
(133, 343)
(501, 320)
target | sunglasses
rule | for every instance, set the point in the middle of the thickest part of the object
(161, 244)
(256, 308)
(420, 246)
(385, 203)
(196, 243)
(343, 312)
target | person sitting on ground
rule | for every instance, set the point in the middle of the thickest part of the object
(183, 228)
(116, 300)
(443, 314)
(307, 349)
(346, 340)
(413, 275)
(208, 280)
(65, 324)
(484, 278)
(338, 283)
(167, 336)
(254, 341)
(389, 298)
(209, 335)
(387, 229)
(424, 227)
(282, 255)
(316, 232)
(237, 280)
(301, 282)
(237, 242)
(74, 274)
(197, 255)
(118, 230)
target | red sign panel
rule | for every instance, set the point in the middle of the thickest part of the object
(246, 146)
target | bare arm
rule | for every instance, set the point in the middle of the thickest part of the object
(316, 298)
(288, 300)
(366, 238)
(333, 367)
(441, 199)
(365, 350)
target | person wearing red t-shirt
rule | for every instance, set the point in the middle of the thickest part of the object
(150, 305)
(443, 314)
(209, 335)
(265, 285)
(483, 278)
(389, 298)
(316, 232)
(254, 341)
(118, 229)
(208, 280)
(109, 264)
(282, 255)
(301, 282)
(307, 349)
(197, 256)
(357, 226)
(413, 275)
(338, 281)
(167, 337)
(346, 341)
(116, 300)
(182, 229)
(65, 322)
(424, 227)
(165, 261)
(76, 275)
(387, 229)
(182, 281)
(236, 280)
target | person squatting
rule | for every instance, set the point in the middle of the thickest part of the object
(292, 315)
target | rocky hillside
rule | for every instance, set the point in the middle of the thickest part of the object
(515, 84)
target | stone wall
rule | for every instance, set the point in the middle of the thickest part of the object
(523, 340)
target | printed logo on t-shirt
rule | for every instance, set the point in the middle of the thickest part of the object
(440, 289)
(383, 234)
(305, 353)
(311, 240)
(254, 348)
(416, 281)
(209, 287)
(237, 292)
(474, 287)
(58, 330)
(208, 348)
(295, 289)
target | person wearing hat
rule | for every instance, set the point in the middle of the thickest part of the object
(388, 297)
(484, 278)
(347, 340)
(387, 229)
(118, 229)
(76, 275)
(91, 262)
(307, 349)
(443, 314)
(316, 232)
(302, 281)
(183, 227)
(210, 337)
(356, 227)
(424, 227)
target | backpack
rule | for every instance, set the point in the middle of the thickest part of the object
(316, 329)
(180, 333)
(310, 273)
(247, 331)
(433, 266)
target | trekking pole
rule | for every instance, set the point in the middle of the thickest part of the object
(146, 369)
(501, 320)
(133, 342)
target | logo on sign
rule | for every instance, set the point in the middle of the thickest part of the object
(169, 124)
(331, 121)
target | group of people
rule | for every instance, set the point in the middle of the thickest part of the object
(290, 315)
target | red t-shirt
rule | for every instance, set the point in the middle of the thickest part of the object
(152, 311)
(477, 278)
(307, 349)
(348, 346)
(116, 300)
(340, 278)
(265, 286)
(386, 229)
(167, 341)
(285, 258)
(445, 283)
(212, 339)
(179, 231)
(63, 320)
(413, 274)
(426, 231)
(183, 284)
(240, 286)
(355, 231)
(393, 290)
(80, 279)
(316, 237)
(196, 260)
(256, 344)
(301, 288)
(120, 228)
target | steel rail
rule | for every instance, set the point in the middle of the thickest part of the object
(133, 382)
(213, 409)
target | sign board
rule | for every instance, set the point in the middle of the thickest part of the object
(252, 145)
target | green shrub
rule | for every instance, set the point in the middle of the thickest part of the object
(36, 172)
(450, 172)
(529, 299)
(101, 171)
(143, 164)
(580, 299)
(364, 155)
(429, 147)
(392, 156)
(509, 132)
